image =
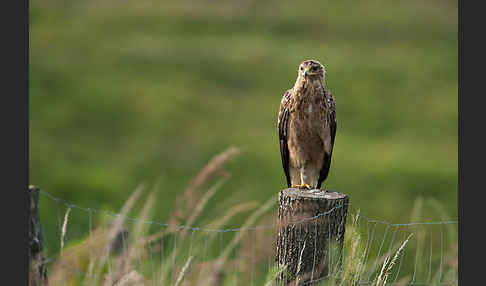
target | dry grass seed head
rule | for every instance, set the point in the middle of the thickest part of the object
(113, 232)
(64, 227)
(189, 198)
(387, 267)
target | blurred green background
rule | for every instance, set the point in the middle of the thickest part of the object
(123, 92)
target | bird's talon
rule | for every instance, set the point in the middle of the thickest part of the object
(303, 186)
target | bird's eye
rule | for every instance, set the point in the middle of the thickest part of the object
(314, 68)
(301, 68)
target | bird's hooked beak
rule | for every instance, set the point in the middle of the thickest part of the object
(307, 72)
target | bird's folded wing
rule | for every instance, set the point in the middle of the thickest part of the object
(282, 124)
(331, 120)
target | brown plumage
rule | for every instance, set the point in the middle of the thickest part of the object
(307, 128)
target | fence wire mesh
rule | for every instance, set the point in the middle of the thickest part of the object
(119, 249)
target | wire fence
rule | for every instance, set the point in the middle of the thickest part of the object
(124, 250)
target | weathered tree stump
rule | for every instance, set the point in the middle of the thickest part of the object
(310, 235)
(37, 267)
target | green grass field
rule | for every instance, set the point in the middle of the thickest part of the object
(124, 92)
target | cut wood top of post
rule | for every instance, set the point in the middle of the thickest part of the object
(313, 194)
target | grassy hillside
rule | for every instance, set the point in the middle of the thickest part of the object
(123, 92)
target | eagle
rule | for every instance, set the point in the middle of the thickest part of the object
(307, 128)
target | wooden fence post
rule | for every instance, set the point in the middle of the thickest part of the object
(310, 235)
(37, 267)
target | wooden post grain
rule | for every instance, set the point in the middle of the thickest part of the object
(37, 267)
(310, 235)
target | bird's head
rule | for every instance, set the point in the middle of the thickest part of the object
(311, 70)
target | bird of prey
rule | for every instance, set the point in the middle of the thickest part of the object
(307, 128)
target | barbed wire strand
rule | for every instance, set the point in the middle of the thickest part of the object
(180, 227)
(430, 259)
(441, 252)
(366, 249)
(371, 243)
(402, 257)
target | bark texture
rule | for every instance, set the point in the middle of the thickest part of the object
(310, 235)
(37, 266)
